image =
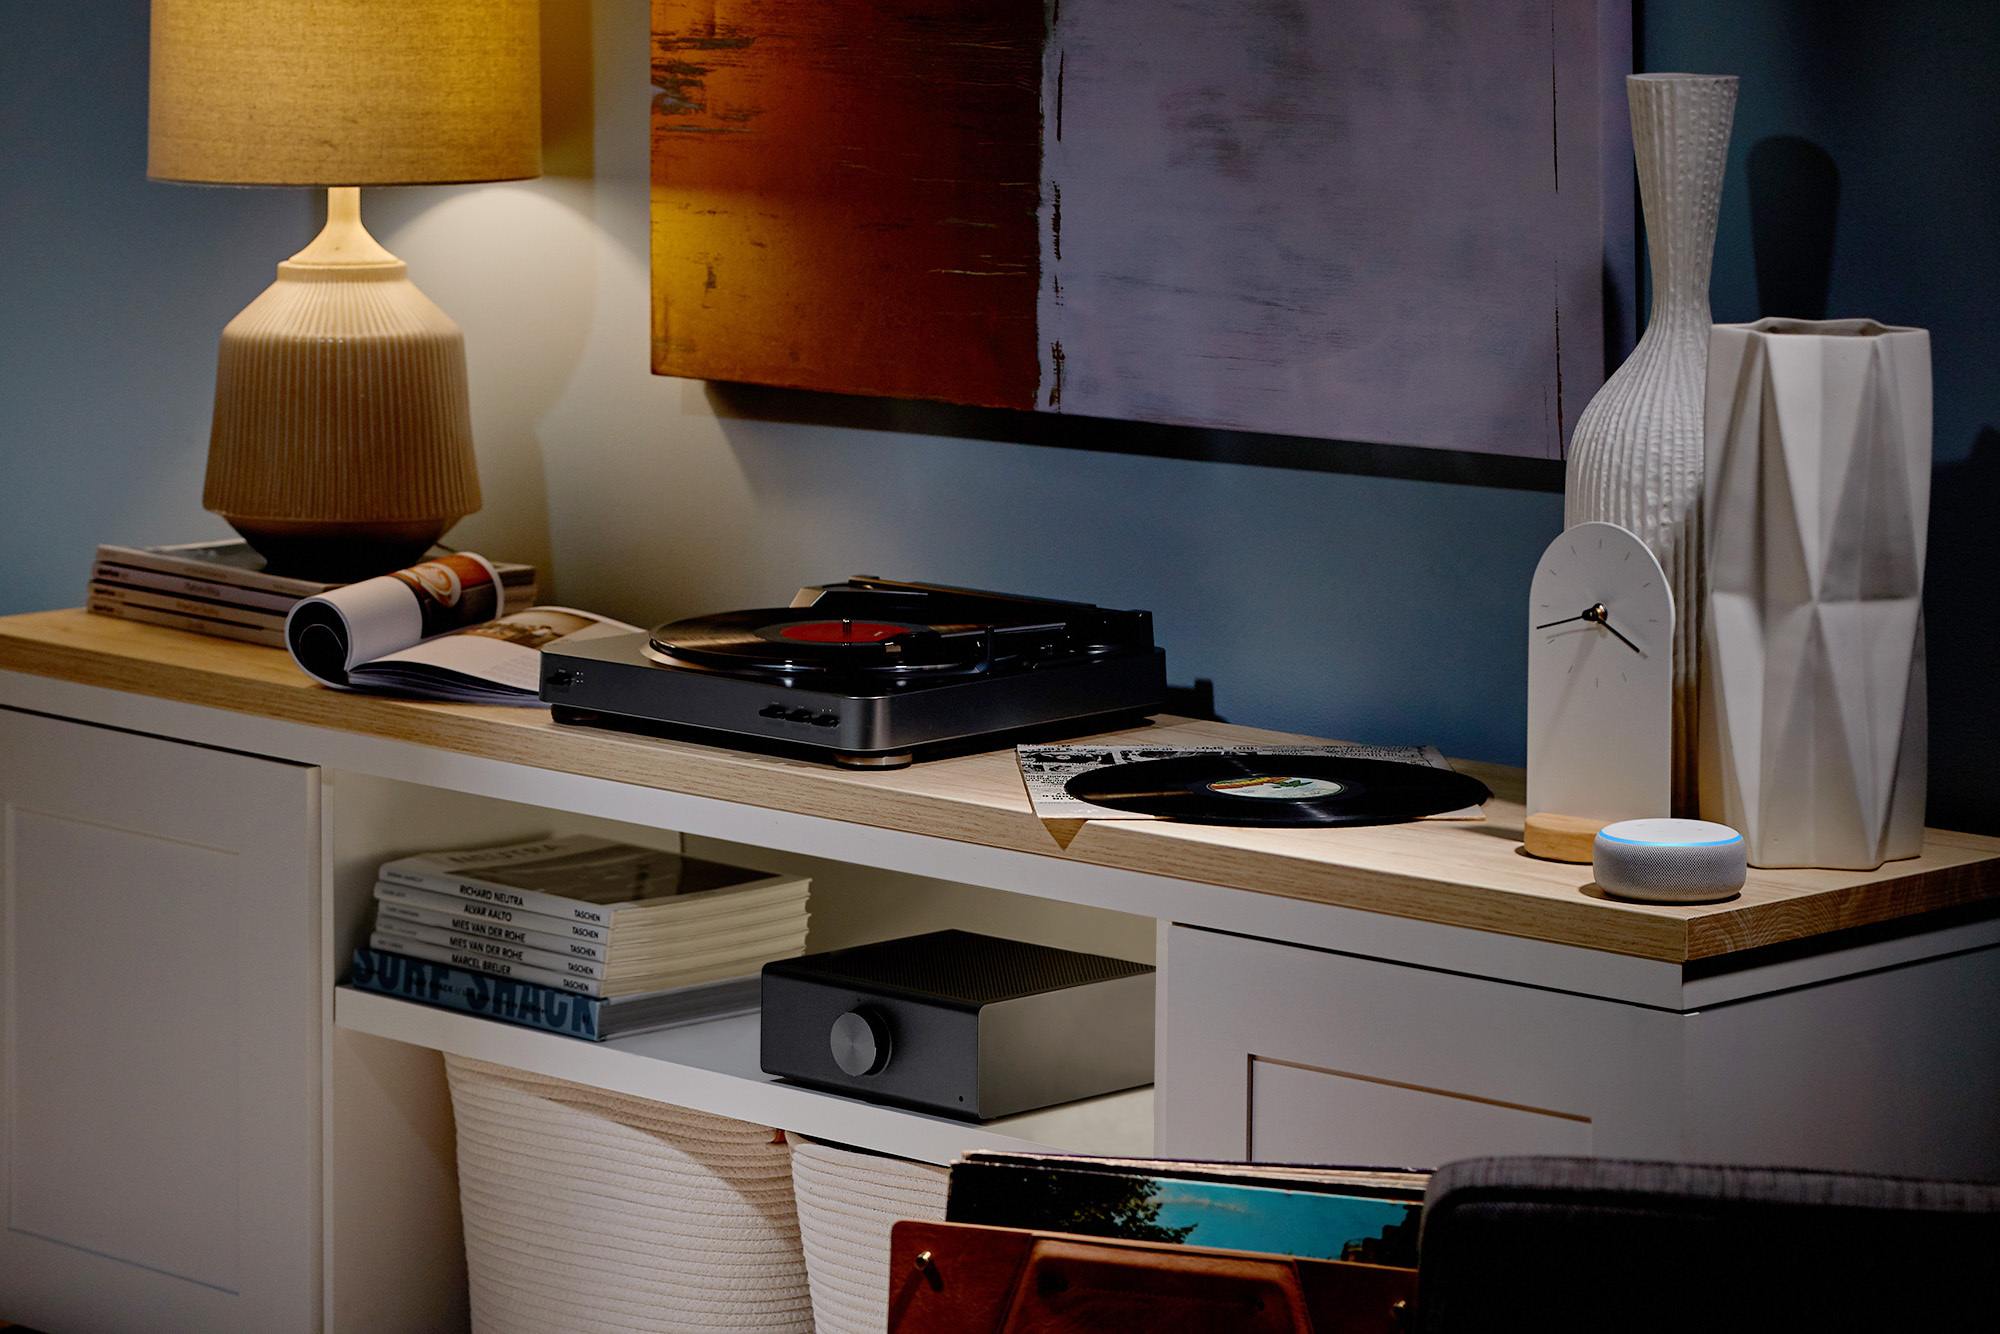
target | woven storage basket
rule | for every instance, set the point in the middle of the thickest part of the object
(847, 1202)
(587, 1210)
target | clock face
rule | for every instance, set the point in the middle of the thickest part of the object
(1600, 678)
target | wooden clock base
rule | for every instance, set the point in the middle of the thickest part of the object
(1560, 838)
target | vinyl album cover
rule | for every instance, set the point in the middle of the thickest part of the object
(1048, 771)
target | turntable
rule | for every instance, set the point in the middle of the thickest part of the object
(868, 673)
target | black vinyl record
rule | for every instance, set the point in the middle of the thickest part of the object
(1278, 789)
(789, 640)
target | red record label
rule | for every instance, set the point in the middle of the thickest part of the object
(843, 632)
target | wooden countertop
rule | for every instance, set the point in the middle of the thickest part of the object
(1468, 874)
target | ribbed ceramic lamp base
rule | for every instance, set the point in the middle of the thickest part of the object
(342, 443)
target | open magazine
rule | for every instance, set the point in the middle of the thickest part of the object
(430, 630)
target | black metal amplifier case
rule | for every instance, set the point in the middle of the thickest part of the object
(959, 1023)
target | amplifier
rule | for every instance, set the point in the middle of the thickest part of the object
(960, 1023)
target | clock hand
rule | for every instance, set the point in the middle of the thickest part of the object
(1594, 612)
(1597, 614)
(1621, 638)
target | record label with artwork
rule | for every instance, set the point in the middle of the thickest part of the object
(1273, 787)
(1259, 789)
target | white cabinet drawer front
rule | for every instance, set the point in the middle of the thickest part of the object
(1281, 1053)
(159, 988)
(1299, 1114)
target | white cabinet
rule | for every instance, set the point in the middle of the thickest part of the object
(199, 1130)
(1884, 1058)
(160, 989)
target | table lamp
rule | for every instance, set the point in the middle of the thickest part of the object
(342, 438)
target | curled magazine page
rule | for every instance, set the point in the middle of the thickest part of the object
(332, 634)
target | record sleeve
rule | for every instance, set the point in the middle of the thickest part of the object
(1047, 770)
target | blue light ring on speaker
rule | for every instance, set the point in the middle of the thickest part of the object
(1655, 843)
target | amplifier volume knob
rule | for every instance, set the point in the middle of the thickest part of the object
(860, 1041)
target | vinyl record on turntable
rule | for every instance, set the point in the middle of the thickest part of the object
(1278, 789)
(781, 639)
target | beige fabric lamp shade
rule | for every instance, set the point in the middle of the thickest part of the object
(342, 438)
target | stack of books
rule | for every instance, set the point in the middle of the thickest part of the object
(223, 589)
(580, 934)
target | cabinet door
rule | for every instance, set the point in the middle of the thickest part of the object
(1280, 1053)
(159, 1033)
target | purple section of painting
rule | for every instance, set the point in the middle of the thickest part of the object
(1359, 219)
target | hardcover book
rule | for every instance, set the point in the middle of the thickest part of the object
(216, 626)
(189, 605)
(590, 970)
(578, 975)
(545, 1008)
(412, 899)
(588, 879)
(474, 961)
(222, 589)
(388, 910)
(224, 567)
(772, 930)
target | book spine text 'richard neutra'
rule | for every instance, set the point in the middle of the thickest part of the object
(482, 891)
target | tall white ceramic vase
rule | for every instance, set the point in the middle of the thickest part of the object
(1635, 458)
(1818, 501)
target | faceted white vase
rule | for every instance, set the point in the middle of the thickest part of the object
(1635, 456)
(1817, 503)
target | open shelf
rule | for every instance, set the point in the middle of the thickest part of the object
(712, 1067)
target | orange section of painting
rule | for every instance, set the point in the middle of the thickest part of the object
(845, 195)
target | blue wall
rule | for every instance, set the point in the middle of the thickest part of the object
(1376, 609)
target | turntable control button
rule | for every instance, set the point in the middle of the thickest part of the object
(772, 711)
(800, 715)
(827, 720)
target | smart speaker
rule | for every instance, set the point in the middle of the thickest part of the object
(1669, 861)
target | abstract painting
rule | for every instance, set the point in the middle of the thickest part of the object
(1371, 220)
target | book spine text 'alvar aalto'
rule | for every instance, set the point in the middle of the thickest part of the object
(521, 1003)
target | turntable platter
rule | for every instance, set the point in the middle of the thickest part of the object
(778, 640)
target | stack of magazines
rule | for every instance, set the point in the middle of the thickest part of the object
(581, 935)
(223, 589)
